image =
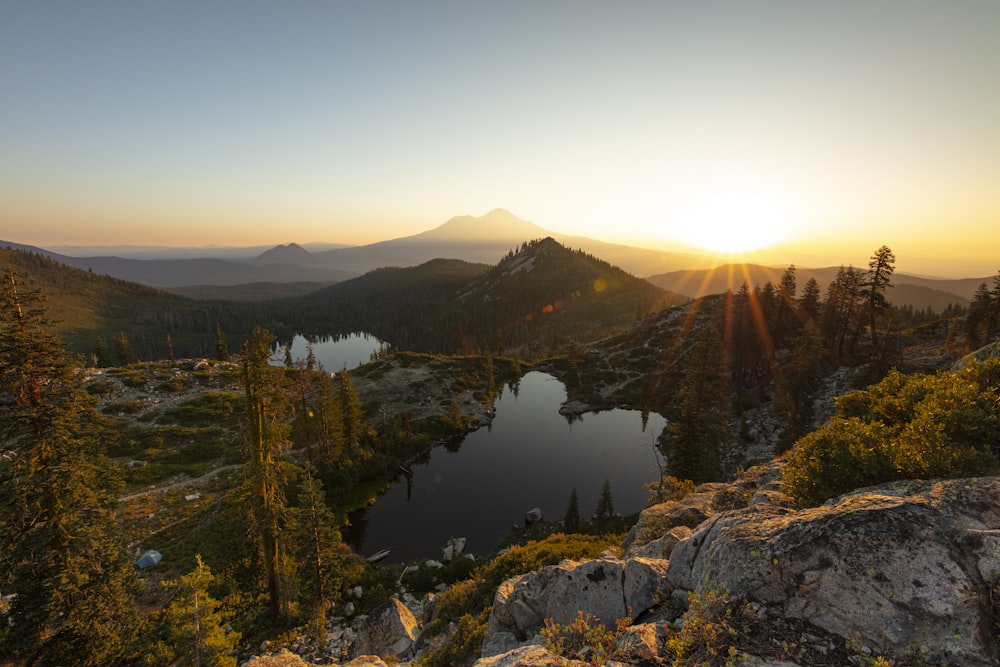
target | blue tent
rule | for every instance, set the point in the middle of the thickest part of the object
(149, 559)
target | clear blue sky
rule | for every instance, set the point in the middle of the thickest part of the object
(240, 123)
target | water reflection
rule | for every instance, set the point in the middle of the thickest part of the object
(531, 457)
(334, 352)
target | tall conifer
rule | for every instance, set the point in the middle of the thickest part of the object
(266, 440)
(61, 552)
(695, 434)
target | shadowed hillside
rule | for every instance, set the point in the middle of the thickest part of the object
(541, 295)
(86, 306)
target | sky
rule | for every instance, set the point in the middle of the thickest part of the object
(824, 127)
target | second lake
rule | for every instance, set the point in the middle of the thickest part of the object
(530, 457)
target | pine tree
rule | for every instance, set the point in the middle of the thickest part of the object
(221, 349)
(323, 561)
(976, 319)
(102, 358)
(605, 505)
(352, 422)
(571, 522)
(798, 383)
(880, 268)
(195, 626)
(993, 313)
(841, 320)
(695, 434)
(123, 350)
(809, 302)
(786, 323)
(265, 434)
(311, 364)
(61, 552)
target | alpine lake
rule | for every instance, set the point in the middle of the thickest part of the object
(529, 457)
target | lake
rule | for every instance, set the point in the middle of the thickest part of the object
(334, 352)
(531, 457)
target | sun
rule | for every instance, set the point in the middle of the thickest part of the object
(735, 221)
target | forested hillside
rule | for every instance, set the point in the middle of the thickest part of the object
(544, 294)
(86, 307)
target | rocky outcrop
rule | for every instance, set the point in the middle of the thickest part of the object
(390, 629)
(608, 589)
(907, 566)
(910, 567)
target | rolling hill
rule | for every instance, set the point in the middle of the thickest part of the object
(542, 294)
(277, 266)
(85, 305)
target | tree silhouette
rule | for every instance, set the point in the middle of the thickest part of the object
(693, 438)
(571, 522)
(102, 358)
(221, 349)
(880, 268)
(123, 350)
(605, 505)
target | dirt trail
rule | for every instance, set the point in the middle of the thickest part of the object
(193, 481)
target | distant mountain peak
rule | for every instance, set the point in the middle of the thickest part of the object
(291, 253)
(498, 224)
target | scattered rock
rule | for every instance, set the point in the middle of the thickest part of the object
(390, 629)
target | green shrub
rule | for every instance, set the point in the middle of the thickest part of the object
(464, 645)
(584, 638)
(174, 384)
(940, 426)
(469, 597)
(135, 379)
(536, 555)
(667, 489)
(211, 408)
(713, 627)
(100, 387)
(124, 408)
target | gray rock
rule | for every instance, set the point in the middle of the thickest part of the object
(390, 629)
(644, 582)
(639, 642)
(660, 547)
(894, 567)
(608, 589)
(656, 521)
